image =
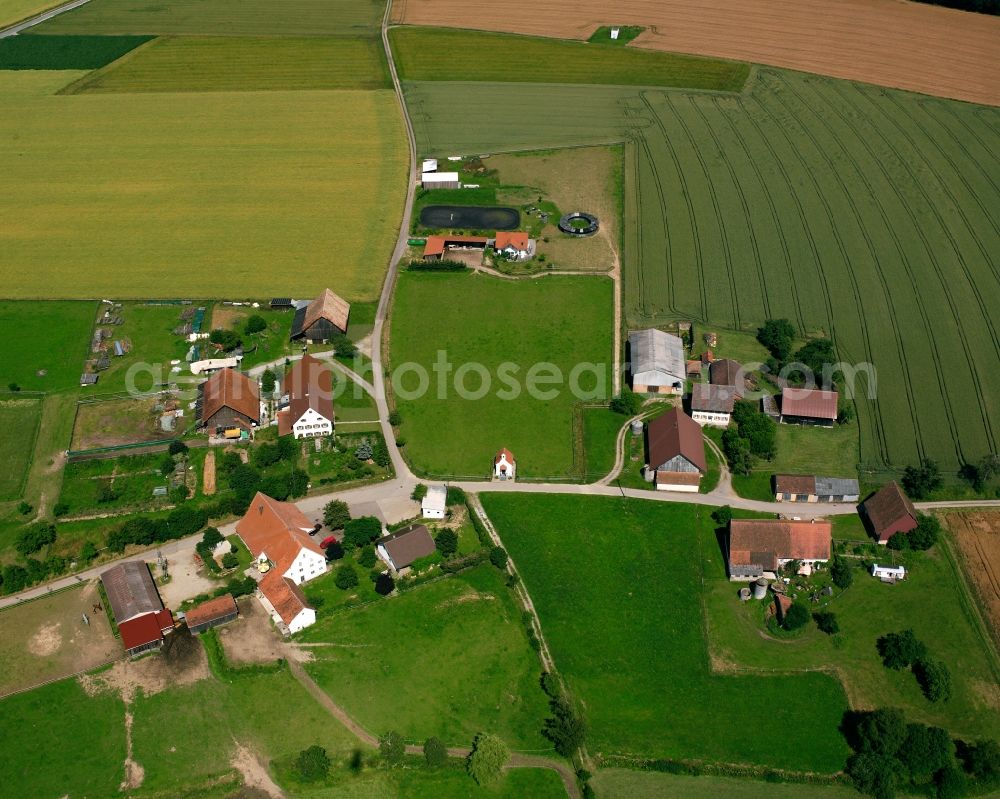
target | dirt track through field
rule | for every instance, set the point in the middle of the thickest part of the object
(978, 537)
(903, 45)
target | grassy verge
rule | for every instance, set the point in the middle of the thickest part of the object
(447, 55)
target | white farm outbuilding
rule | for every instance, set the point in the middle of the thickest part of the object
(888, 574)
(435, 502)
(440, 180)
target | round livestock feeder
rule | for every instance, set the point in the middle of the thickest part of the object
(637, 428)
(744, 594)
(579, 223)
(760, 588)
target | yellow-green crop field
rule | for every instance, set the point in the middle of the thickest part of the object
(197, 195)
(222, 17)
(226, 63)
(15, 10)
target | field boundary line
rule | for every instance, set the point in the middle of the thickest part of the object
(19, 491)
(37, 19)
(60, 679)
(80, 85)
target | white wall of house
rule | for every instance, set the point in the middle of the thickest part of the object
(503, 463)
(305, 617)
(666, 486)
(804, 562)
(306, 566)
(384, 557)
(711, 419)
(312, 424)
(429, 512)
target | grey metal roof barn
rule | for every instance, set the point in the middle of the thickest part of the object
(656, 358)
(838, 487)
(131, 590)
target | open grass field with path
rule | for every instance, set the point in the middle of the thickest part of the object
(288, 192)
(19, 420)
(617, 588)
(223, 17)
(49, 337)
(225, 63)
(931, 601)
(476, 319)
(465, 666)
(913, 46)
(87, 731)
(780, 202)
(433, 54)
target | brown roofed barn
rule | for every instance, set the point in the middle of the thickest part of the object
(756, 546)
(726, 372)
(211, 613)
(676, 452)
(139, 613)
(228, 399)
(808, 406)
(322, 318)
(889, 511)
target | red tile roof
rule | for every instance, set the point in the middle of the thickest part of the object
(726, 372)
(278, 528)
(809, 403)
(284, 595)
(211, 610)
(888, 506)
(436, 245)
(518, 239)
(145, 629)
(765, 541)
(795, 484)
(501, 453)
(679, 478)
(309, 384)
(675, 433)
(228, 388)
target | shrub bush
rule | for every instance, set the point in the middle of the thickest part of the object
(346, 577)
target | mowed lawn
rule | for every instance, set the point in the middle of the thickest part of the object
(19, 419)
(222, 63)
(477, 319)
(48, 337)
(617, 587)
(446, 55)
(223, 17)
(931, 602)
(87, 735)
(278, 193)
(465, 664)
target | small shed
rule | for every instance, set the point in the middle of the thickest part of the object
(212, 613)
(435, 503)
(888, 574)
(88, 380)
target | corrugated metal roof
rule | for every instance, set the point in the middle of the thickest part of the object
(657, 356)
(712, 399)
(131, 590)
(837, 486)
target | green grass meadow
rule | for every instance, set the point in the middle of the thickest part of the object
(476, 319)
(222, 17)
(617, 782)
(931, 602)
(19, 420)
(15, 10)
(446, 659)
(600, 430)
(617, 587)
(53, 337)
(863, 213)
(432, 54)
(223, 63)
(206, 191)
(87, 732)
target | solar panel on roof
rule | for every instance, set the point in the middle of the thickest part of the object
(281, 302)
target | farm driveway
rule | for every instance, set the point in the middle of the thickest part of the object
(185, 580)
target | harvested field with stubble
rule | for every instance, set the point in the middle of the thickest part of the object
(912, 46)
(978, 536)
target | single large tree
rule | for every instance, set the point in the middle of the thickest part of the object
(392, 747)
(565, 728)
(336, 514)
(435, 752)
(777, 335)
(919, 481)
(312, 764)
(900, 650)
(488, 757)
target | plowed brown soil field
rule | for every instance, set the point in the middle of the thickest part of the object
(922, 48)
(978, 537)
